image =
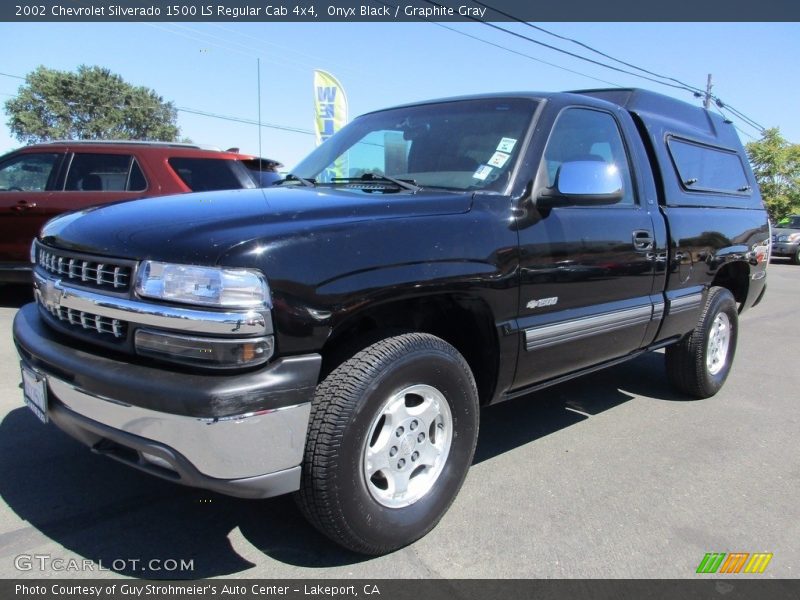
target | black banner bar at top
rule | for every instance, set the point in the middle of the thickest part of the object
(397, 10)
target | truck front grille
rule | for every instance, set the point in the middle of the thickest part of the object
(78, 318)
(93, 273)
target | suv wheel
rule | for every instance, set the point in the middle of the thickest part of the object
(391, 437)
(796, 257)
(699, 364)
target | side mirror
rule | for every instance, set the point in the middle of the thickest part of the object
(583, 183)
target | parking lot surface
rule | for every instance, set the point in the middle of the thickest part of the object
(613, 475)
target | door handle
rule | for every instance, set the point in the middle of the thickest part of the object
(23, 205)
(642, 240)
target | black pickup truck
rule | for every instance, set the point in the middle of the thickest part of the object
(336, 334)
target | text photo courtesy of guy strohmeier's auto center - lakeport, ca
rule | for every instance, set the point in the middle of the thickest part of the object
(295, 298)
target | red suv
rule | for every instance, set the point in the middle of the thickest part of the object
(44, 180)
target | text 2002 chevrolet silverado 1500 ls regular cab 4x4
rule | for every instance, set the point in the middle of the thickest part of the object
(335, 335)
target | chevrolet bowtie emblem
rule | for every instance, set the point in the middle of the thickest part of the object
(50, 294)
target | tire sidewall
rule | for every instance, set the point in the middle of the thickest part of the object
(393, 527)
(722, 301)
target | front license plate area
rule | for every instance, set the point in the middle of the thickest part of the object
(34, 390)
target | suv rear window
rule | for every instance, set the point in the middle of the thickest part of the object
(705, 168)
(208, 174)
(90, 172)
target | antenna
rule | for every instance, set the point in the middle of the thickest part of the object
(260, 154)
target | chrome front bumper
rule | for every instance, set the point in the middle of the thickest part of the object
(242, 434)
(252, 455)
(227, 448)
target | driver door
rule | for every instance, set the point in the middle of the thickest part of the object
(586, 272)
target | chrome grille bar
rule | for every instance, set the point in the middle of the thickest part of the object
(89, 321)
(117, 277)
(53, 293)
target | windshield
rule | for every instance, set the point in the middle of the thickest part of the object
(791, 223)
(463, 145)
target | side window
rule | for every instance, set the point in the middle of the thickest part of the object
(704, 168)
(99, 173)
(27, 172)
(582, 134)
(209, 174)
(136, 181)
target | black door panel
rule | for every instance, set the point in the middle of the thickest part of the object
(586, 272)
(595, 288)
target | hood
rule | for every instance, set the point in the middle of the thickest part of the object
(199, 228)
(777, 231)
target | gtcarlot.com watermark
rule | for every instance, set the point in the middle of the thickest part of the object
(46, 562)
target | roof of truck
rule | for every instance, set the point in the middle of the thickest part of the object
(658, 112)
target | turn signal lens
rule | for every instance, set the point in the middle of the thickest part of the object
(204, 352)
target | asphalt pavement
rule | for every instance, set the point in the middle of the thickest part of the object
(613, 475)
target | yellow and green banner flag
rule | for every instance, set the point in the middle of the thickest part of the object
(330, 105)
(330, 114)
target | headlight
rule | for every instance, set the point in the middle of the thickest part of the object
(207, 286)
(793, 237)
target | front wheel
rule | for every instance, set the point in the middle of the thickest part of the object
(796, 257)
(391, 437)
(699, 364)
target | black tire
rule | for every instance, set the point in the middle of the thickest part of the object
(796, 257)
(687, 366)
(336, 495)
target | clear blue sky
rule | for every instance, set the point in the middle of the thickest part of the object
(212, 67)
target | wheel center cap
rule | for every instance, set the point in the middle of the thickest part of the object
(406, 445)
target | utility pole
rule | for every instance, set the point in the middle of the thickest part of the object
(707, 100)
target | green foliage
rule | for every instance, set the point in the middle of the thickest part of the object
(92, 103)
(776, 164)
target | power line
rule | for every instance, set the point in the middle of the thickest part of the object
(248, 50)
(246, 121)
(506, 48)
(539, 60)
(741, 116)
(586, 46)
(184, 109)
(567, 52)
(681, 84)
(287, 49)
(728, 120)
(196, 39)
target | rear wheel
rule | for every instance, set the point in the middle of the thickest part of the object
(391, 437)
(699, 364)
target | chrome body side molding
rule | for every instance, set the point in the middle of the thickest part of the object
(574, 329)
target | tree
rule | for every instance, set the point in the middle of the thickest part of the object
(776, 164)
(92, 103)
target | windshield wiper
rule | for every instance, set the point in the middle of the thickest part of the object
(406, 184)
(293, 177)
